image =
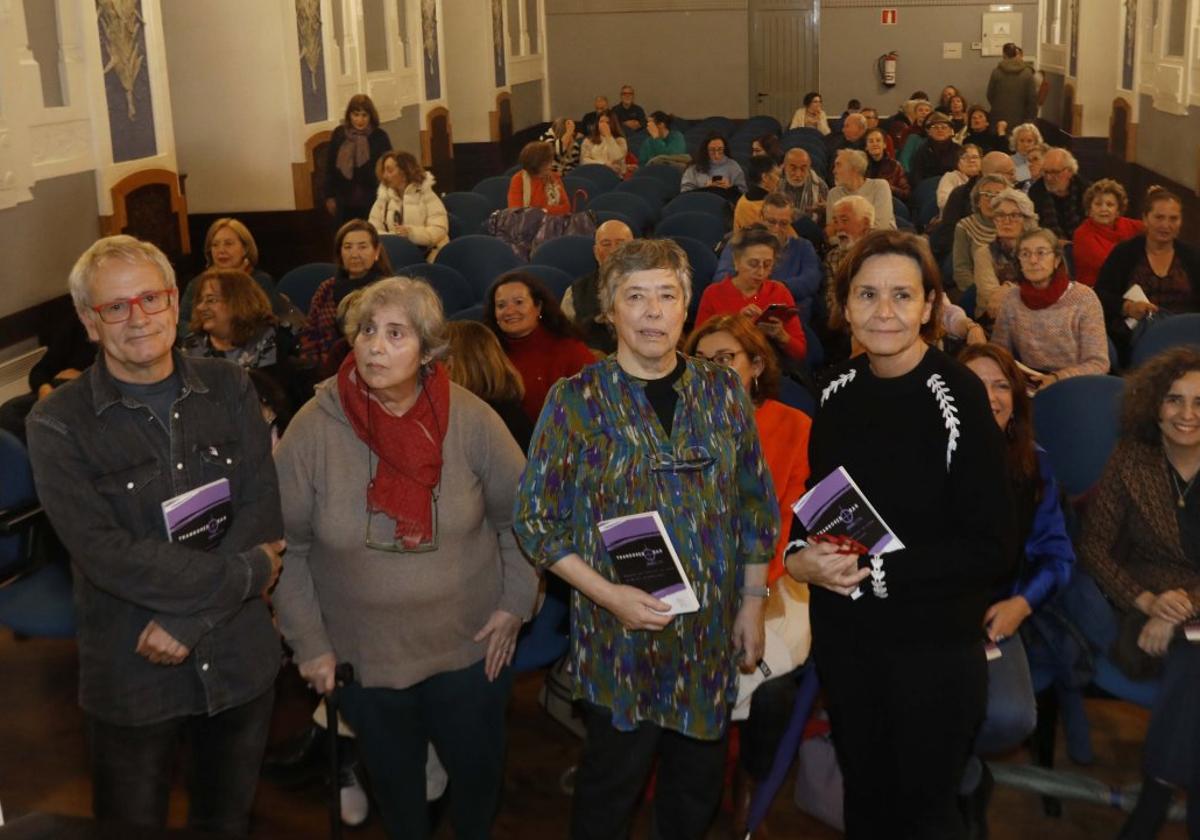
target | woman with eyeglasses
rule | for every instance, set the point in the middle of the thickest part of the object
(733, 342)
(996, 262)
(647, 430)
(1051, 324)
(966, 169)
(751, 292)
(714, 170)
(977, 229)
(398, 490)
(902, 662)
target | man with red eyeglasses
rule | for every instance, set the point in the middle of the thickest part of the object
(175, 640)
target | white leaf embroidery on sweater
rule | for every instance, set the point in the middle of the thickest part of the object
(878, 577)
(834, 386)
(941, 393)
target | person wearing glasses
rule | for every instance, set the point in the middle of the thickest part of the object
(398, 490)
(1058, 195)
(797, 265)
(1050, 323)
(996, 262)
(751, 291)
(977, 229)
(631, 116)
(648, 430)
(175, 638)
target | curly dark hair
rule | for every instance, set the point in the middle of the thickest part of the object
(552, 317)
(1148, 386)
(700, 159)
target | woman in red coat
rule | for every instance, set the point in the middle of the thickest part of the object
(536, 184)
(1103, 228)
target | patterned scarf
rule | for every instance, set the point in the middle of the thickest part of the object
(1063, 214)
(354, 151)
(409, 449)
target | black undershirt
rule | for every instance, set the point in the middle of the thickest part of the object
(662, 395)
(158, 396)
(1187, 516)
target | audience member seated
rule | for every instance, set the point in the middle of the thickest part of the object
(1020, 140)
(69, 353)
(581, 303)
(854, 127)
(360, 261)
(811, 114)
(956, 111)
(539, 339)
(769, 145)
(1140, 541)
(958, 205)
(980, 132)
(588, 122)
(977, 230)
(943, 103)
(1052, 325)
(900, 122)
(881, 164)
(1034, 159)
(1043, 565)
(797, 265)
(996, 263)
(561, 137)
(850, 178)
(663, 141)
(477, 362)
(536, 184)
(712, 169)
(732, 341)
(605, 145)
(354, 150)
(914, 134)
(853, 217)
(965, 169)
(807, 190)
(428, 607)
(229, 244)
(232, 320)
(629, 114)
(1165, 271)
(407, 204)
(1058, 196)
(1103, 229)
(764, 178)
(938, 154)
(751, 292)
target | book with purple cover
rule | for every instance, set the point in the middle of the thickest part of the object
(645, 557)
(199, 518)
(836, 507)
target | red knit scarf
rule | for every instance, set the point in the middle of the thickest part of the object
(1035, 298)
(409, 449)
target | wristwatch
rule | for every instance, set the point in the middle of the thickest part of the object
(756, 591)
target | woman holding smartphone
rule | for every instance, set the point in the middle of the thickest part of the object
(751, 292)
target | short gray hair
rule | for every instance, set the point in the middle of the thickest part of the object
(981, 182)
(855, 117)
(415, 298)
(1024, 128)
(1024, 205)
(855, 158)
(1072, 163)
(643, 255)
(859, 206)
(1042, 233)
(127, 249)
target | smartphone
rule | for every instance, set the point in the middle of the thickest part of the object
(778, 310)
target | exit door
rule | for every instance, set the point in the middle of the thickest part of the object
(783, 55)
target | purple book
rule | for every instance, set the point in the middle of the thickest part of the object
(836, 507)
(199, 518)
(644, 556)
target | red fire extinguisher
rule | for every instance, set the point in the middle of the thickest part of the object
(886, 67)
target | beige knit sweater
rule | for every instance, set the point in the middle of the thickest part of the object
(399, 618)
(1066, 338)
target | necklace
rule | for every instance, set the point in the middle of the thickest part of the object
(1181, 492)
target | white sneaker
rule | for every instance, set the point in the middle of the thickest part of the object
(355, 808)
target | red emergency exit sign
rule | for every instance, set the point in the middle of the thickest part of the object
(887, 17)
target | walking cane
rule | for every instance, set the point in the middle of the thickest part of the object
(343, 675)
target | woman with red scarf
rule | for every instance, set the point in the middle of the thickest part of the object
(1051, 324)
(1104, 227)
(401, 559)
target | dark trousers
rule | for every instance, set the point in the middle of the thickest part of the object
(132, 767)
(904, 718)
(462, 715)
(614, 770)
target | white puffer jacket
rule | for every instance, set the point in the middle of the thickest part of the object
(419, 209)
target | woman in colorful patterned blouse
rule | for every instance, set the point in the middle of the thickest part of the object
(648, 430)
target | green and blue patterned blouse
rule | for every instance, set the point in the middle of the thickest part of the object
(599, 452)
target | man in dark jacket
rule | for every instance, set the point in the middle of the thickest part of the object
(1058, 194)
(1012, 91)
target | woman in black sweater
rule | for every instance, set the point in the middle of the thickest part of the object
(903, 666)
(355, 147)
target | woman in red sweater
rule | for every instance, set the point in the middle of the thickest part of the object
(536, 184)
(1104, 227)
(733, 341)
(538, 338)
(750, 291)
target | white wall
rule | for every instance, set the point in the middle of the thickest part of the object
(470, 79)
(680, 56)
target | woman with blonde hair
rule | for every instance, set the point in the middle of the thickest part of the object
(478, 363)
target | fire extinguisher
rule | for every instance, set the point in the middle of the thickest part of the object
(886, 67)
